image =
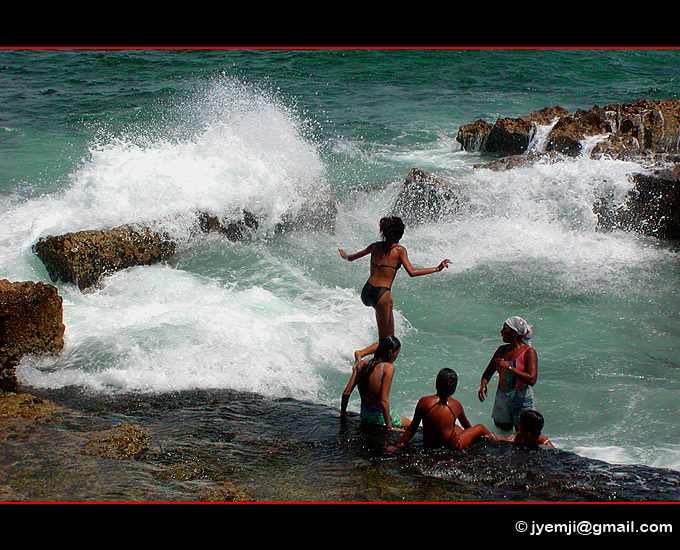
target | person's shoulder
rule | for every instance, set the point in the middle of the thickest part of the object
(389, 367)
(360, 364)
(455, 403)
(427, 400)
(543, 440)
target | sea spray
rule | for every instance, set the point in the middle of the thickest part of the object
(165, 329)
(239, 153)
(245, 326)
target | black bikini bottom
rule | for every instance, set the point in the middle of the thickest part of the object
(371, 294)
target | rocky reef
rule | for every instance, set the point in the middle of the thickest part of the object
(31, 322)
(640, 128)
(646, 132)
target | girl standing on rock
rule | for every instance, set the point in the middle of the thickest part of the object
(387, 256)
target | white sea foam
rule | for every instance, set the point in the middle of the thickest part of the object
(161, 328)
(654, 455)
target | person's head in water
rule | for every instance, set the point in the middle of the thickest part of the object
(447, 381)
(392, 229)
(531, 422)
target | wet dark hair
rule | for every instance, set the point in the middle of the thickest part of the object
(532, 421)
(382, 354)
(392, 229)
(446, 383)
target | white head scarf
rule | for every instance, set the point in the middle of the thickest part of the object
(521, 327)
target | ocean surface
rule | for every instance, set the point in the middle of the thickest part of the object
(233, 355)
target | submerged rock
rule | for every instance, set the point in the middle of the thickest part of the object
(31, 322)
(24, 405)
(122, 441)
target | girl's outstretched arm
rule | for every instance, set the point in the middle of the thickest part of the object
(412, 271)
(352, 257)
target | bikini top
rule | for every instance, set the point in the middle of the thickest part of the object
(447, 406)
(385, 265)
(453, 438)
(382, 367)
(363, 382)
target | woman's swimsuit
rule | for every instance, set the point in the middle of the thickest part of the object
(506, 380)
(373, 414)
(453, 442)
(370, 294)
(513, 396)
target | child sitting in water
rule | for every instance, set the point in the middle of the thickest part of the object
(529, 431)
(439, 413)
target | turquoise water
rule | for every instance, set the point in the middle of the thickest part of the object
(92, 139)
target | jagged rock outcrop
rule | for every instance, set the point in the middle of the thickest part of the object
(316, 213)
(651, 208)
(507, 136)
(84, 257)
(646, 131)
(642, 126)
(424, 197)
(31, 322)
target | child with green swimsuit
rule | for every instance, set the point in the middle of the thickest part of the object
(374, 378)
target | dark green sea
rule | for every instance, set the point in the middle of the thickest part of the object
(233, 355)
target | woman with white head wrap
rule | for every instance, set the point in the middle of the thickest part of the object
(516, 363)
(521, 327)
